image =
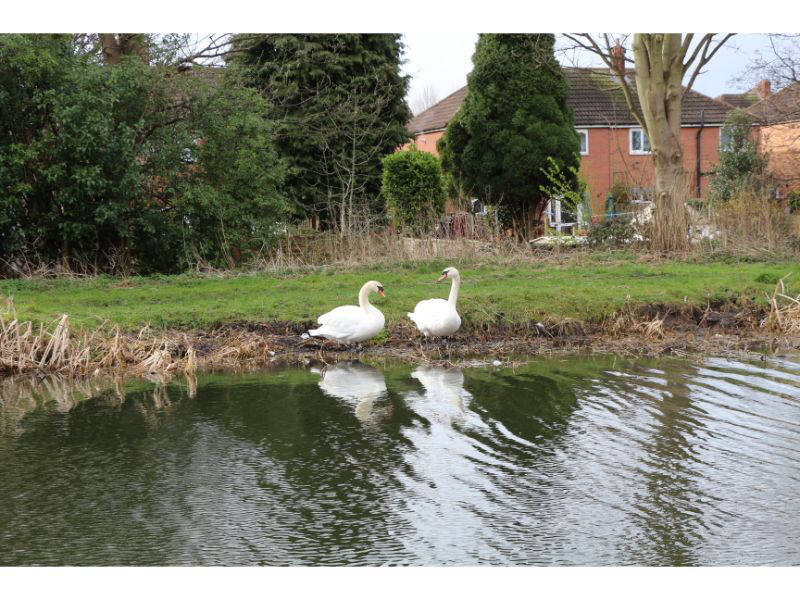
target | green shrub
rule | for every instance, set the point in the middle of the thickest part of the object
(741, 166)
(413, 186)
(569, 187)
(130, 167)
(793, 200)
(611, 232)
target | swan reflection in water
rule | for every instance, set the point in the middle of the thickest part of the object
(357, 384)
(445, 398)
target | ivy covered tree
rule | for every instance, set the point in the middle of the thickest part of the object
(338, 105)
(741, 165)
(513, 119)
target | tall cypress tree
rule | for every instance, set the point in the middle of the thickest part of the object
(338, 105)
(514, 117)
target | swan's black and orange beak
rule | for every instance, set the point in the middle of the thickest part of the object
(442, 277)
(380, 291)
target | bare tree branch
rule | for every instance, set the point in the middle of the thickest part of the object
(704, 58)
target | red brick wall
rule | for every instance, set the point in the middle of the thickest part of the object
(609, 160)
(427, 141)
(782, 144)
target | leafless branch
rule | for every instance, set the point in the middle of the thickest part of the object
(705, 43)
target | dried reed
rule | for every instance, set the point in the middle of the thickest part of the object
(784, 314)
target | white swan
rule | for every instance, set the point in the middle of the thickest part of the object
(351, 324)
(358, 385)
(438, 317)
(443, 386)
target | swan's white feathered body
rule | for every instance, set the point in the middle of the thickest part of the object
(351, 324)
(437, 316)
(352, 382)
(359, 385)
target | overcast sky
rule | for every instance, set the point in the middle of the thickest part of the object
(443, 60)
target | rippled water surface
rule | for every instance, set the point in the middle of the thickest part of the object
(585, 461)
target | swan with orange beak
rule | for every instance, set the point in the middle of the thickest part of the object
(438, 317)
(352, 324)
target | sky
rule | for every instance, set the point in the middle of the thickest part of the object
(443, 59)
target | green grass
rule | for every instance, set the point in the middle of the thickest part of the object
(587, 289)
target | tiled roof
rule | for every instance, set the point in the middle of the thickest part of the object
(742, 100)
(595, 98)
(438, 115)
(781, 107)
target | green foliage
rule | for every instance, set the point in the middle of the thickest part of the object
(771, 278)
(233, 200)
(611, 233)
(741, 166)
(569, 187)
(337, 103)
(413, 186)
(793, 201)
(514, 117)
(93, 168)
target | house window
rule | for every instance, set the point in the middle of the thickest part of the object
(583, 134)
(724, 139)
(639, 142)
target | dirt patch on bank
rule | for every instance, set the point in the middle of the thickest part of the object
(645, 330)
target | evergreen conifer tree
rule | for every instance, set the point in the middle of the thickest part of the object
(513, 118)
(338, 105)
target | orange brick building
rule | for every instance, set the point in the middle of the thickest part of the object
(613, 147)
(778, 116)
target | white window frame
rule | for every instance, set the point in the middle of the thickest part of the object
(630, 141)
(586, 133)
(720, 138)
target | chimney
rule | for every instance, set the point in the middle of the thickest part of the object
(764, 88)
(618, 58)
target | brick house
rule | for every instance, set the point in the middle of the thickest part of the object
(614, 149)
(778, 118)
(746, 99)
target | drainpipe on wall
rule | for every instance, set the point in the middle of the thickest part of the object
(699, 171)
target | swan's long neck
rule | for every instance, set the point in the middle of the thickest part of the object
(454, 291)
(363, 297)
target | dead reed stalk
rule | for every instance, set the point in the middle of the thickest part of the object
(58, 349)
(784, 313)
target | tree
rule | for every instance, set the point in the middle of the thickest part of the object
(232, 200)
(337, 102)
(780, 63)
(513, 119)
(93, 159)
(661, 61)
(740, 164)
(426, 98)
(413, 185)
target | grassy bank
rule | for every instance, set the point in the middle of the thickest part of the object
(613, 302)
(585, 288)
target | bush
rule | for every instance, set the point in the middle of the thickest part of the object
(611, 232)
(413, 186)
(132, 167)
(741, 166)
(793, 200)
(751, 222)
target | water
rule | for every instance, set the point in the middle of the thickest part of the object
(580, 461)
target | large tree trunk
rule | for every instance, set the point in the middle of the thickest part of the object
(659, 70)
(117, 45)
